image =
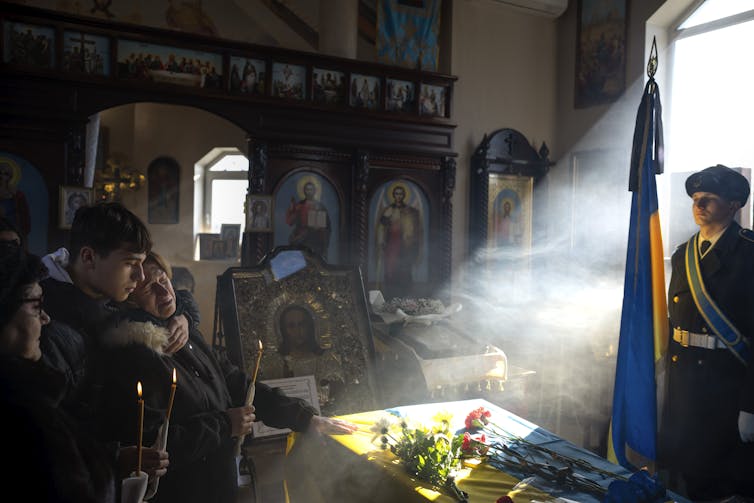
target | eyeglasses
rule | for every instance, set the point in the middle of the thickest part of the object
(39, 300)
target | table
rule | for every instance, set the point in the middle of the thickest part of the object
(353, 468)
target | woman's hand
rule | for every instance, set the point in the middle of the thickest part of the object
(241, 419)
(332, 426)
(153, 462)
(179, 334)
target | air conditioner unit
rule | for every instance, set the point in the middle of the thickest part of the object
(548, 8)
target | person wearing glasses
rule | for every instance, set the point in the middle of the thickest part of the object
(707, 437)
(51, 458)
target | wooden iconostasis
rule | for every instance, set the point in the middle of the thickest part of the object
(360, 179)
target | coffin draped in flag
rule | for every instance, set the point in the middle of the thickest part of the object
(643, 341)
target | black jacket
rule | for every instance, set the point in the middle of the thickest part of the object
(67, 341)
(202, 457)
(50, 458)
(66, 303)
(708, 387)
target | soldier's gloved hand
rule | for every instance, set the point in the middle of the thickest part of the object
(746, 426)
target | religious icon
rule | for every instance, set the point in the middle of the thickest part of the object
(169, 65)
(308, 217)
(302, 354)
(71, 199)
(259, 218)
(399, 237)
(507, 218)
(313, 320)
(509, 223)
(162, 183)
(365, 91)
(399, 96)
(29, 44)
(231, 235)
(432, 100)
(13, 205)
(297, 331)
(206, 245)
(288, 81)
(328, 86)
(86, 53)
(247, 76)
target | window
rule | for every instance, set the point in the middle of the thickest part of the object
(709, 104)
(711, 91)
(715, 10)
(220, 186)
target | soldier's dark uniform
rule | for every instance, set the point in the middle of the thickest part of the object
(708, 387)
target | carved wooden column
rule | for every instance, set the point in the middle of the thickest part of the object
(361, 209)
(256, 244)
(448, 167)
(75, 145)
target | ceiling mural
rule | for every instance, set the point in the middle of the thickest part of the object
(220, 18)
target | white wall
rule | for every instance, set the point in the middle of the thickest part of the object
(505, 64)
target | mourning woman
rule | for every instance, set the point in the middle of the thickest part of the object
(48, 456)
(208, 413)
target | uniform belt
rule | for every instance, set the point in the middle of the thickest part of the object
(686, 338)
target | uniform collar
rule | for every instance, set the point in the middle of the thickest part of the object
(724, 243)
(712, 239)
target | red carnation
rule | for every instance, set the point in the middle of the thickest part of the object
(466, 445)
(477, 418)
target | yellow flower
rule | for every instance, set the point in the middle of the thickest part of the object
(443, 417)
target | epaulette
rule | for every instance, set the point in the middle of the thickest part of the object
(747, 234)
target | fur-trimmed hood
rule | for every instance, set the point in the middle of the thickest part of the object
(137, 332)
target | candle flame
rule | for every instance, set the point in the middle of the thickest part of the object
(138, 388)
(174, 376)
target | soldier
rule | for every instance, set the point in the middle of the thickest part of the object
(708, 422)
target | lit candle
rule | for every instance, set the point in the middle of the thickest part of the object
(140, 430)
(172, 397)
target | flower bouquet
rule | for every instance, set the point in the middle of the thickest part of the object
(431, 454)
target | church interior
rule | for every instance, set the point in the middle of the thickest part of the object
(454, 184)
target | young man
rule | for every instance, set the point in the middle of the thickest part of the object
(708, 426)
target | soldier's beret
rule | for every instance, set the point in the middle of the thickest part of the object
(721, 180)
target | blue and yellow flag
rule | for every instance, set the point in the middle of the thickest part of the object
(632, 440)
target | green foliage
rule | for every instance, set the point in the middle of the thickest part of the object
(431, 455)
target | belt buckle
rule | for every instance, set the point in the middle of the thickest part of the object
(684, 336)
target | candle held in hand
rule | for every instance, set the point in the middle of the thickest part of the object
(140, 430)
(259, 359)
(172, 397)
